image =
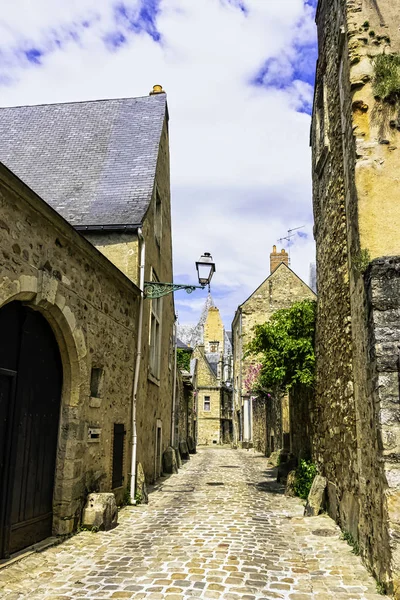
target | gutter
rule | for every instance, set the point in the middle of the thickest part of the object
(121, 228)
(142, 255)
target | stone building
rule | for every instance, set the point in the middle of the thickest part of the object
(213, 354)
(355, 141)
(73, 309)
(262, 422)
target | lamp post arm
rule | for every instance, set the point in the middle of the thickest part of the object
(158, 289)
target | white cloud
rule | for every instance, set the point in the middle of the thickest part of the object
(239, 154)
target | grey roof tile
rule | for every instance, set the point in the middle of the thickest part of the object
(94, 162)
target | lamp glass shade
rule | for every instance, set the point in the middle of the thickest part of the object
(205, 268)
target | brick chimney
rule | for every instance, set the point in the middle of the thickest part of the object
(277, 258)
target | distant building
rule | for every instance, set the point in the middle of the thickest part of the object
(280, 290)
(213, 353)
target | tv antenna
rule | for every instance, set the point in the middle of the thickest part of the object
(290, 235)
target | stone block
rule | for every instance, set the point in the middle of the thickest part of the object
(333, 511)
(290, 482)
(141, 494)
(184, 452)
(178, 457)
(316, 497)
(284, 469)
(169, 461)
(100, 512)
(191, 445)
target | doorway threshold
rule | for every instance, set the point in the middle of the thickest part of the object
(38, 547)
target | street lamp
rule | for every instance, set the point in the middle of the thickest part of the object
(205, 267)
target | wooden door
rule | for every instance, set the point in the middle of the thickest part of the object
(30, 394)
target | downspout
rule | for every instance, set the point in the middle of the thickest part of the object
(174, 388)
(137, 365)
(241, 422)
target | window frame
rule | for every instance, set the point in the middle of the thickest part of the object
(206, 400)
(155, 333)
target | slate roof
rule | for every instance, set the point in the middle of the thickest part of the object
(93, 162)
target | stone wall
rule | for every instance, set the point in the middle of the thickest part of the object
(92, 308)
(356, 164)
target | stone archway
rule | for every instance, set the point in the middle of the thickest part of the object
(43, 293)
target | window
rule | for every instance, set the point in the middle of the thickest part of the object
(214, 346)
(96, 380)
(155, 334)
(158, 219)
(207, 403)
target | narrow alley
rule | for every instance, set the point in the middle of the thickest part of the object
(221, 528)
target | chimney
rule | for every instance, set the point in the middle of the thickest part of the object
(276, 258)
(157, 89)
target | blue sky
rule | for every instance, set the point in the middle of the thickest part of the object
(239, 76)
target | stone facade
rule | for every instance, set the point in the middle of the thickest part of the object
(356, 161)
(123, 249)
(280, 290)
(92, 309)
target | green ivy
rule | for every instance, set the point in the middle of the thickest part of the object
(284, 346)
(183, 359)
(305, 474)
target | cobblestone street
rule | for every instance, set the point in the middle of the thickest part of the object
(219, 529)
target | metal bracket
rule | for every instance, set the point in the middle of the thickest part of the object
(157, 289)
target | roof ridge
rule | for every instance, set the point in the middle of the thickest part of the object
(92, 101)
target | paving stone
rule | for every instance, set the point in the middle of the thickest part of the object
(239, 541)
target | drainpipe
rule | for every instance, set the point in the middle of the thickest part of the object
(174, 388)
(241, 424)
(142, 255)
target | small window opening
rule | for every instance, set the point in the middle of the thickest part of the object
(95, 382)
(207, 403)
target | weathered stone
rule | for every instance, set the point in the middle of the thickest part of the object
(316, 497)
(191, 445)
(178, 457)
(169, 461)
(273, 458)
(284, 469)
(290, 482)
(100, 512)
(141, 487)
(184, 452)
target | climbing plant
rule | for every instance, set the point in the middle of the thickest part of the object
(284, 347)
(183, 359)
(386, 81)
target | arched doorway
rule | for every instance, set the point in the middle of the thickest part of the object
(30, 398)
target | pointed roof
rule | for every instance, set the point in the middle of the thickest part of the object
(194, 335)
(93, 162)
(271, 275)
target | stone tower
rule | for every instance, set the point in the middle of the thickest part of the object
(356, 163)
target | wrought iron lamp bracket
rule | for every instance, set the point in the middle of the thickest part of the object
(157, 289)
